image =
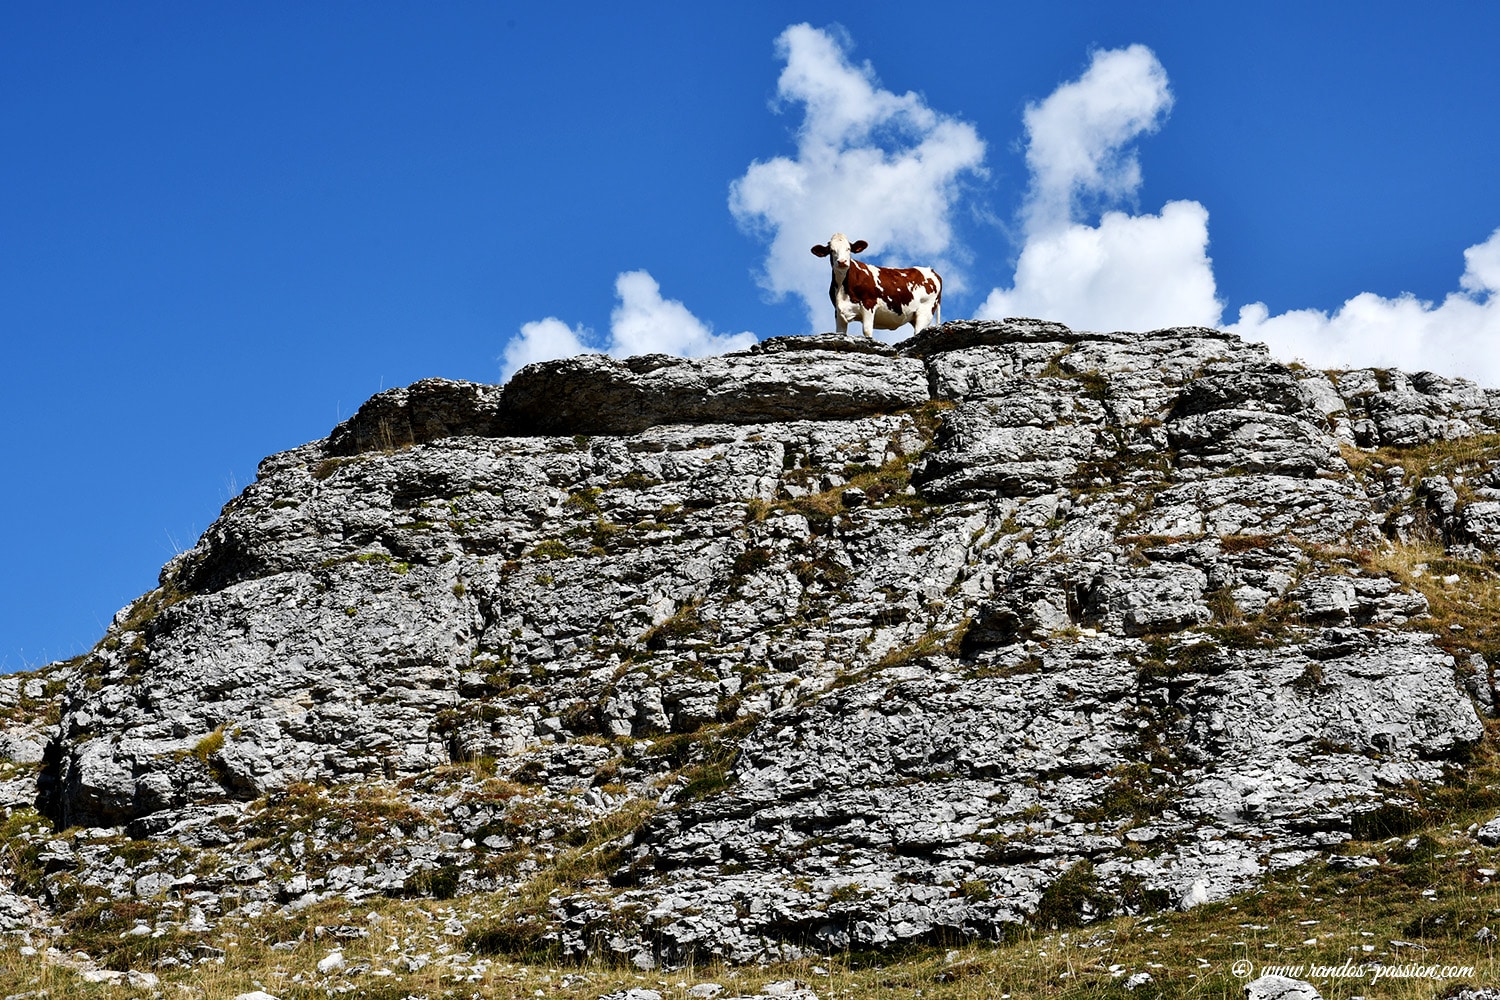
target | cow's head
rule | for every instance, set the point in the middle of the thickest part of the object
(840, 249)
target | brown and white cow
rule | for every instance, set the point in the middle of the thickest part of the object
(880, 298)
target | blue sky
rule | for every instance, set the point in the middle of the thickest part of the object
(222, 227)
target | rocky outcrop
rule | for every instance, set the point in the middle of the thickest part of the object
(1281, 988)
(821, 645)
(786, 379)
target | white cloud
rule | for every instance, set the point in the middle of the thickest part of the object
(1460, 336)
(543, 340)
(1482, 267)
(876, 165)
(645, 323)
(1135, 272)
(1141, 272)
(1078, 141)
(1131, 272)
(642, 322)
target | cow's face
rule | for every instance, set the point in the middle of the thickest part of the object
(841, 250)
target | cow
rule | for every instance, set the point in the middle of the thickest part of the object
(880, 298)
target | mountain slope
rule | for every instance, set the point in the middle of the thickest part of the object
(825, 645)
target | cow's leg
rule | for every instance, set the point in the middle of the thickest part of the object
(921, 321)
(867, 322)
(841, 324)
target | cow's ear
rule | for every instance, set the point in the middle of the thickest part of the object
(858, 246)
(821, 250)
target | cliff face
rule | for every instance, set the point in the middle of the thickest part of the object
(821, 645)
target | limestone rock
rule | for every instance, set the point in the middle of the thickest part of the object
(1480, 524)
(1281, 988)
(855, 645)
(594, 394)
(423, 411)
(1393, 408)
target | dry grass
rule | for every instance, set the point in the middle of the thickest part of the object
(1464, 596)
(1461, 455)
